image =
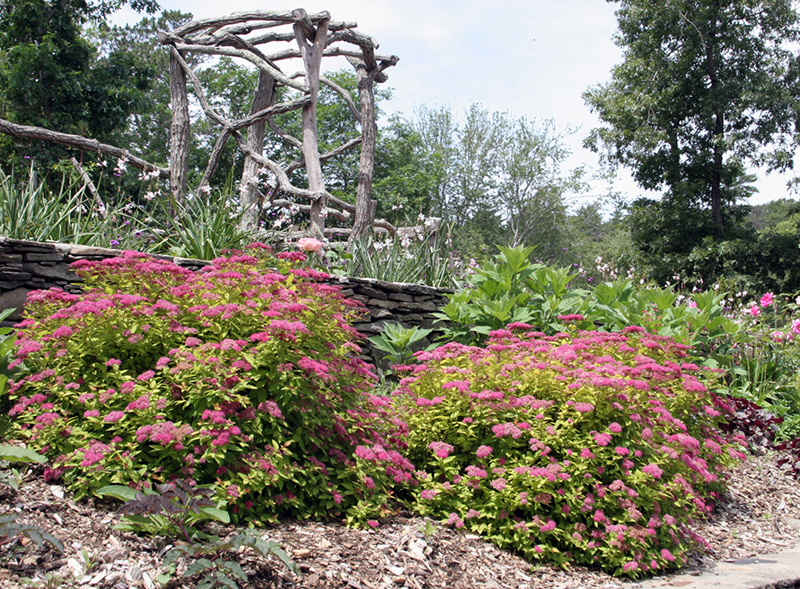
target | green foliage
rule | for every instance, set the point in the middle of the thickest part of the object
(509, 290)
(704, 89)
(415, 261)
(15, 454)
(170, 509)
(595, 449)
(215, 570)
(398, 341)
(230, 376)
(174, 509)
(51, 76)
(10, 530)
(29, 210)
(204, 226)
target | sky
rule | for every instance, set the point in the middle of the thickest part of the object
(532, 58)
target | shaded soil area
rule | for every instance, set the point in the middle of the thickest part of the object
(759, 514)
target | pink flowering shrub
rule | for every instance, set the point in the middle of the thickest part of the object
(593, 448)
(235, 375)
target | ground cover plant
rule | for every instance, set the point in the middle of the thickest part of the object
(235, 375)
(596, 448)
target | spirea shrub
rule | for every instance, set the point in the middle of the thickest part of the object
(592, 448)
(235, 375)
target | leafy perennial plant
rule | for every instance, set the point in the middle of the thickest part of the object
(595, 448)
(234, 375)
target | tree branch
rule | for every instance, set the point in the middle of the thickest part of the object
(79, 142)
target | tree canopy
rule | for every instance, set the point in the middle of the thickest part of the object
(706, 88)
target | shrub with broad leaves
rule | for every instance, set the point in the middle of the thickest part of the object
(236, 375)
(592, 448)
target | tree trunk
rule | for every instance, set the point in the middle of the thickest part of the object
(265, 96)
(719, 130)
(180, 129)
(312, 59)
(365, 209)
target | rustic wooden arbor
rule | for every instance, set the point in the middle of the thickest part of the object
(245, 36)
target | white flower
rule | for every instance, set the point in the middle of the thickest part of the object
(122, 164)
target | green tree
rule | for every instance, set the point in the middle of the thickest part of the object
(52, 76)
(147, 131)
(706, 87)
(496, 179)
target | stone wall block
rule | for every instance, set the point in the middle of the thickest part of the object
(59, 272)
(371, 292)
(382, 314)
(10, 258)
(14, 299)
(50, 257)
(423, 306)
(10, 284)
(21, 246)
(88, 251)
(14, 275)
(372, 303)
(400, 296)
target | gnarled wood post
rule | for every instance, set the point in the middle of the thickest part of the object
(248, 190)
(311, 43)
(180, 129)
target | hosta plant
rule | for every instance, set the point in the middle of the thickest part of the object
(592, 448)
(236, 375)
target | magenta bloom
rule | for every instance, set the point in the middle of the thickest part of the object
(755, 311)
(498, 484)
(483, 451)
(63, 331)
(766, 300)
(653, 470)
(114, 416)
(145, 376)
(614, 427)
(583, 407)
(441, 449)
(602, 439)
(548, 527)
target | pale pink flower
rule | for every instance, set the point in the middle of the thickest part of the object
(309, 244)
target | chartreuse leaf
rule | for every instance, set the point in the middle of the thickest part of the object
(18, 454)
(120, 492)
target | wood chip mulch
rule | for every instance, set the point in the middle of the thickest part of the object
(759, 514)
